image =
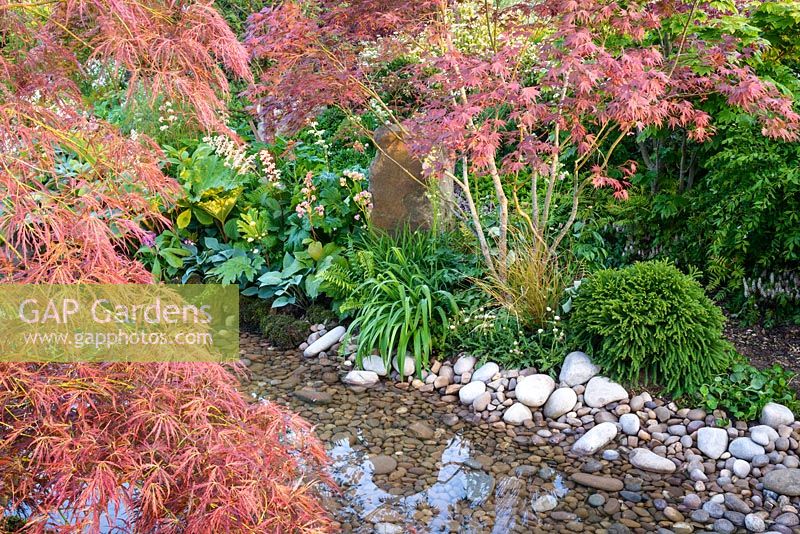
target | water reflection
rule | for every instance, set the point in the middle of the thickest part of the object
(461, 488)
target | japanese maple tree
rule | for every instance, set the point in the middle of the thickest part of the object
(540, 93)
(163, 447)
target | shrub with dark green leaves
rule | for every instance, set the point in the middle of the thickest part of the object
(650, 322)
(283, 330)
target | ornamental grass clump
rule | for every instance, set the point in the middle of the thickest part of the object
(650, 322)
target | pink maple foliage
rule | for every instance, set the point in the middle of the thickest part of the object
(164, 447)
(174, 446)
(543, 92)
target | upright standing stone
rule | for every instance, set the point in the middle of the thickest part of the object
(400, 193)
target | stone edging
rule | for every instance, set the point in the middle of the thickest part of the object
(597, 412)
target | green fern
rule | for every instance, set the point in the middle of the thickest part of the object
(398, 290)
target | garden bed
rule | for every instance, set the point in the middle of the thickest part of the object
(765, 347)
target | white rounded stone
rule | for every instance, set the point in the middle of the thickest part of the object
(361, 378)
(464, 364)
(741, 468)
(713, 442)
(375, 364)
(325, 342)
(561, 401)
(647, 460)
(595, 439)
(775, 415)
(409, 366)
(534, 390)
(545, 503)
(601, 391)
(517, 413)
(471, 391)
(763, 434)
(577, 369)
(485, 372)
(630, 423)
(745, 449)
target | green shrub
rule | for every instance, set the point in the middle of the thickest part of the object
(744, 391)
(318, 313)
(251, 309)
(738, 222)
(284, 331)
(650, 321)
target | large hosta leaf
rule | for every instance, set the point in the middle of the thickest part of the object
(219, 203)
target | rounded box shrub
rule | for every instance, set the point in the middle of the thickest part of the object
(651, 322)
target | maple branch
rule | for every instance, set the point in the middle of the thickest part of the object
(683, 38)
(476, 218)
(572, 214)
(548, 199)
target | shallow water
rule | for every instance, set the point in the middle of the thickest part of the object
(461, 477)
(461, 487)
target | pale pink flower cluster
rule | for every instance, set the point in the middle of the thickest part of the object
(355, 176)
(308, 190)
(363, 200)
(271, 173)
(302, 208)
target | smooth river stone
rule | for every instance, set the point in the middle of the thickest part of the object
(601, 391)
(534, 390)
(485, 372)
(775, 415)
(783, 481)
(375, 364)
(577, 369)
(325, 342)
(595, 439)
(597, 482)
(409, 365)
(560, 402)
(745, 449)
(464, 364)
(361, 378)
(646, 460)
(713, 442)
(517, 414)
(630, 423)
(763, 434)
(471, 391)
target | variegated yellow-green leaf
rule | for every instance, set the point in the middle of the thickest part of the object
(184, 218)
(220, 204)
